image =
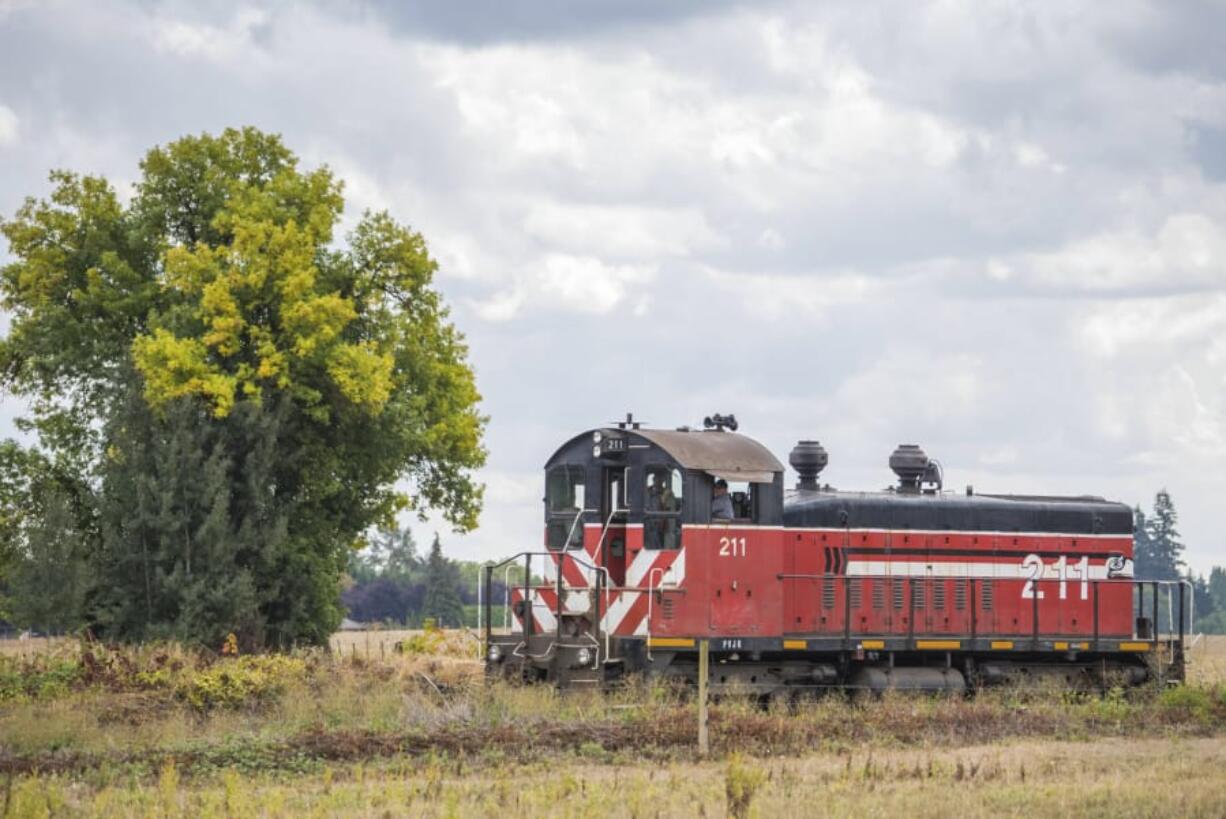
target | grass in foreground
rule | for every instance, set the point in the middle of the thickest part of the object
(162, 731)
(1015, 779)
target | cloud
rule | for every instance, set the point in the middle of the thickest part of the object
(622, 231)
(582, 284)
(220, 44)
(1124, 329)
(1188, 251)
(9, 133)
(774, 297)
(486, 21)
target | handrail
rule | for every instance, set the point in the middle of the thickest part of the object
(604, 531)
(578, 516)
(650, 598)
(1176, 633)
(506, 587)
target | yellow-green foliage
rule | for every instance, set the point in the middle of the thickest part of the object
(429, 641)
(262, 314)
(741, 782)
(247, 680)
(1200, 703)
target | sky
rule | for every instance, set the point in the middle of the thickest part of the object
(995, 229)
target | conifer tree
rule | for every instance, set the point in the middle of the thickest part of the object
(51, 580)
(1164, 548)
(1144, 558)
(1217, 587)
(442, 589)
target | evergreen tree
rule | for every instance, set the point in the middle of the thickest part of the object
(391, 554)
(1144, 558)
(51, 579)
(442, 589)
(1164, 547)
(1203, 603)
(1217, 587)
(183, 547)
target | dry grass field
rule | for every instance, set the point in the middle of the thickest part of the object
(1207, 660)
(406, 727)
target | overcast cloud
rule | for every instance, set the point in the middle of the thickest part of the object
(995, 229)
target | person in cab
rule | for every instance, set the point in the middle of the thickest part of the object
(721, 501)
(661, 531)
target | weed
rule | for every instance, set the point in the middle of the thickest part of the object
(741, 782)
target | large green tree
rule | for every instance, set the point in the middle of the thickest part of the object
(237, 395)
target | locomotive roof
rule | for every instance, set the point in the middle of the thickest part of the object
(723, 453)
(726, 454)
(1083, 514)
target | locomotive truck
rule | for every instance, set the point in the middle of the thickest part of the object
(807, 587)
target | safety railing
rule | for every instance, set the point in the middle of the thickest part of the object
(599, 590)
(1046, 600)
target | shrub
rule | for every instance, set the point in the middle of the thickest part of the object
(241, 681)
(1189, 701)
(41, 677)
(429, 641)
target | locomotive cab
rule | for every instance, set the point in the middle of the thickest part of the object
(629, 533)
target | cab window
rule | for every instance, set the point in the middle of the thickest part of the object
(564, 495)
(741, 504)
(742, 494)
(662, 505)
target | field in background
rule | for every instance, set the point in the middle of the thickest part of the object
(401, 723)
(1207, 660)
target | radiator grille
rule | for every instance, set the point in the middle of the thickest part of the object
(917, 591)
(856, 589)
(828, 594)
(898, 585)
(960, 594)
(878, 594)
(986, 592)
(938, 595)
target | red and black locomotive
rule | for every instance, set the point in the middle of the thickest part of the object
(913, 587)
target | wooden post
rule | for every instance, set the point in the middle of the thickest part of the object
(704, 741)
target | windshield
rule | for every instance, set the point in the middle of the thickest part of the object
(564, 495)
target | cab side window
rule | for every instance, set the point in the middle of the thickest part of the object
(662, 505)
(742, 494)
(565, 488)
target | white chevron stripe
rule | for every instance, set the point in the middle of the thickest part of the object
(640, 628)
(543, 613)
(675, 576)
(613, 616)
(636, 575)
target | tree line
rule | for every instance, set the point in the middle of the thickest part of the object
(1158, 552)
(390, 583)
